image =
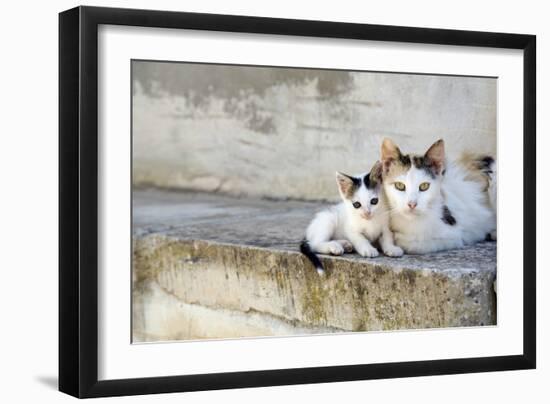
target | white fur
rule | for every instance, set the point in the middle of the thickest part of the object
(493, 193)
(341, 227)
(422, 229)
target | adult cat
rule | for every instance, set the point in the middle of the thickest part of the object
(437, 205)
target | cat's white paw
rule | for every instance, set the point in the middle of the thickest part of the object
(368, 251)
(336, 248)
(348, 247)
(393, 251)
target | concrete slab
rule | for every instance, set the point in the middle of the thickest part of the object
(239, 256)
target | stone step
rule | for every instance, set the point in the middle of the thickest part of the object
(211, 266)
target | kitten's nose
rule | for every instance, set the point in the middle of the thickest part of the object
(412, 205)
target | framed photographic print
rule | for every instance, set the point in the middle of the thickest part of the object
(250, 201)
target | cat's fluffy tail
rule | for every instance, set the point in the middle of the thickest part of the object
(308, 252)
(483, 169)
(479, 168)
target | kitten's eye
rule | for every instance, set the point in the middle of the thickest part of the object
(399, 186)
(424, 186)
(356, 205)
(374, 201)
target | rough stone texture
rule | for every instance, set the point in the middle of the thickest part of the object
(208, 266)
(160, 316)
(284, 132)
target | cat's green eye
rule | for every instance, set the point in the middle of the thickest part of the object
(399, 186)
(424, 186)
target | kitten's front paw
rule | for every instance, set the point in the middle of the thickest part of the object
(336, 248)
(348, 247)
(393, 251)
(368, 251)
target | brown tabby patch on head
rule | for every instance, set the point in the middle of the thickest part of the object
(397, 167)
(395, 163)
(424, 163)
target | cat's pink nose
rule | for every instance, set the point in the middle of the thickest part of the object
(412, 205)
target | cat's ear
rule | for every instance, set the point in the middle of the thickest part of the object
(375, 175)
(346, 184)
(435, 156)
(389, 153)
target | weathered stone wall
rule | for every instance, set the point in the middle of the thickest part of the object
(252, 291)
(212, 266)
(283, 132)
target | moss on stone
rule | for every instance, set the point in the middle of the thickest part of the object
(355, 294)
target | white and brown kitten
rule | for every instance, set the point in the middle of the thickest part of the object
(359, 220)
(437, 205)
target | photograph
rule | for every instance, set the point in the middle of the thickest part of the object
(278, 201)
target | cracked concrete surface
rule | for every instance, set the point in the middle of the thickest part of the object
(212, 266)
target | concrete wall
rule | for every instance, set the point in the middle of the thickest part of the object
(283, 132)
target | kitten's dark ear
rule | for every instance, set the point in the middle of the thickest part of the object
(435, 156)
(375, 175)
(346, 184)
(389, 153)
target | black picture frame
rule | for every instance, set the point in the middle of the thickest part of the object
(78, 201)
